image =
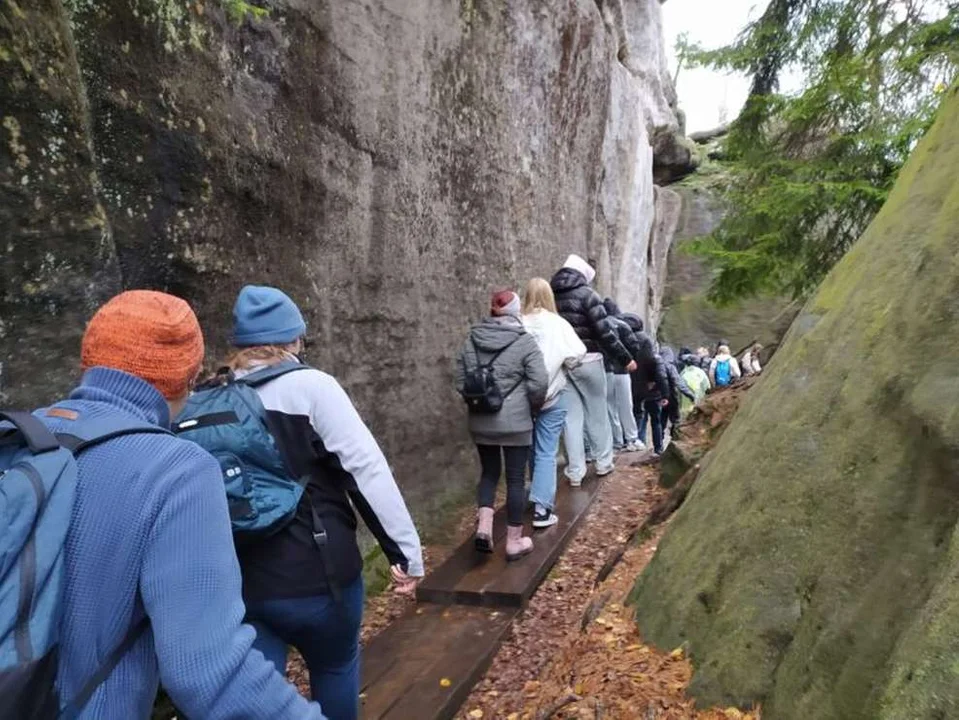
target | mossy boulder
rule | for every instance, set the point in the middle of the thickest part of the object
(677, 459)
(815, 565)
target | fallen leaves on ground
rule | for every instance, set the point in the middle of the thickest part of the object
(549, 666)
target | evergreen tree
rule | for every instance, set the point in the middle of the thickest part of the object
(810, 169)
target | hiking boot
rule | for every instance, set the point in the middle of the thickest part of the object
(516, 545)
(484, 530)
(543, 518)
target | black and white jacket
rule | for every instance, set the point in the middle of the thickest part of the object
(320, 433)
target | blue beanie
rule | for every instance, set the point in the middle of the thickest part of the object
(265, 316)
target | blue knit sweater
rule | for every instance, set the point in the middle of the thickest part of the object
(150, 533)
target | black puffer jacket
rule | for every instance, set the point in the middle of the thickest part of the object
(676, 383)
(651, 368)
(633, 345)
(582, 308)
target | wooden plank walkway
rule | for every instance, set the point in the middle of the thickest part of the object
(424, 665)
(471, 578)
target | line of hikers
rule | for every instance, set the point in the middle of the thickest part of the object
(157, 525)
(124, 562)
(564, 361)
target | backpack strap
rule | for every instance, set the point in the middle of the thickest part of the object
(496, 355)
(33, 431)
(271, 372)
(75, 707)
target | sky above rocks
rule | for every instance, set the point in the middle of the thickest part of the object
(709, 98)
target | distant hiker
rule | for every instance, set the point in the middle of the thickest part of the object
(723, 369)
(562, 350)
(619, 394)
(698, 381)
(705, 358)
(134, 567)
(649, 386)
(750, 361)
(687, 357)
(278, 425)
(677, 389)
(582, 308)
(502, 376)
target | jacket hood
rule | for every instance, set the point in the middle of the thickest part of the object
(567, 279)
(575, 262)
(634, 321)
(495, 333)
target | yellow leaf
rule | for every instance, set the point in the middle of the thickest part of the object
(632, 647)
(445, 682)
(732, 713)
(677, 654)
(476, 713)
(578, 689)
(512, 716)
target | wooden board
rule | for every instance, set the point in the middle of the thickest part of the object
(405, 666)
(472, 578)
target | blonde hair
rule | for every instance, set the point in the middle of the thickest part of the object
(256, 356)
(539, 296)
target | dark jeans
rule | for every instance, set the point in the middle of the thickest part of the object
(491, 462)
(650, 409)
(327, 635)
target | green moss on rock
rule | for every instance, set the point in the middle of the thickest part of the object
(815, 566)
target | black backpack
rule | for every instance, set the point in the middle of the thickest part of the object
(480, 389)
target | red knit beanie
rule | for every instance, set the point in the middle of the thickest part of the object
(151, 335)
(505, 302)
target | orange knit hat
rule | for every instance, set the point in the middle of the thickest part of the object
(151, 335)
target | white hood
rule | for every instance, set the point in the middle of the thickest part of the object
(575, 262)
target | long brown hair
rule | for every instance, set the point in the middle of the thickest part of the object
(539, 296)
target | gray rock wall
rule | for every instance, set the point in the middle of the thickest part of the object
(387, 162)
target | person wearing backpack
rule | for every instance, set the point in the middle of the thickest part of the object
(582, 307)
(723, 369)
(502, 376)
(302, 573)
(562, 350)
(126, 569)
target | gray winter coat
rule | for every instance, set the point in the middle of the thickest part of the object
(520, 365)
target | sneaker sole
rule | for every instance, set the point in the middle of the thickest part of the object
(604, 473)
(540, 524)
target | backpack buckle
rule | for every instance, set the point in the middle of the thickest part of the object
(319, 537)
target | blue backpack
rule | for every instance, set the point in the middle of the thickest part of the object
(226, 418)
(38, 474)
(723, 373)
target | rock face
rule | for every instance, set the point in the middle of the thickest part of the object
(386, 162)
(688, 318)
(815, 565)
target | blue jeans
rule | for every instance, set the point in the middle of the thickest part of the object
(546, 432)
(327, 635)
(651, 411)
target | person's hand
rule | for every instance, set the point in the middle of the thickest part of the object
(403, 584)
(663, 403)
(632, 366)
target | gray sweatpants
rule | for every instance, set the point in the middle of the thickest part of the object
(619, 401)
(587, 415)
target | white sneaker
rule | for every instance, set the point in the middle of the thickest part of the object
(575, 483)
(636, 446)
(602, 472)
(544, 519)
